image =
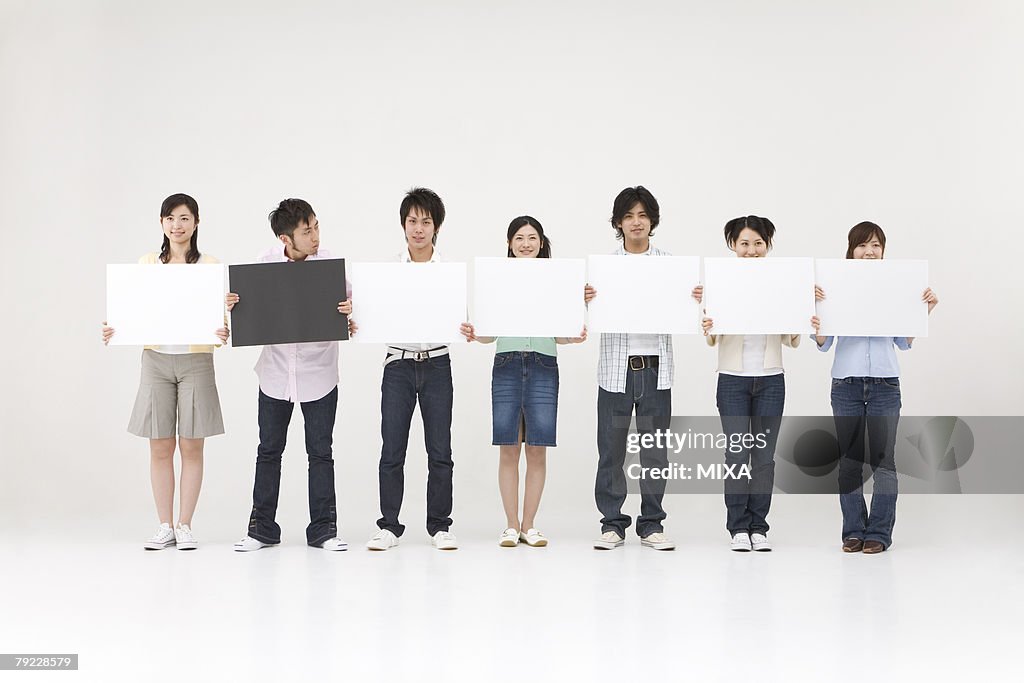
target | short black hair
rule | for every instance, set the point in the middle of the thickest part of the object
(629, 198)
(762, 226)
(288, 214)
(426, 201)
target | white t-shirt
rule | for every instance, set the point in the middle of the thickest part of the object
(643, 344)
(753, 357)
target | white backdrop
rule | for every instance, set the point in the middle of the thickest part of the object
(817, 115)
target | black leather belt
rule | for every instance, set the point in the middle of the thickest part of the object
(642, 362)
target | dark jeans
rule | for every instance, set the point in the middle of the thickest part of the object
(653, 411)
(868, 405)
(750, 405)
(431, 381)
(274, 416)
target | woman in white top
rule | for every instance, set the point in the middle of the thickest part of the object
(751, 395)
(177, 392)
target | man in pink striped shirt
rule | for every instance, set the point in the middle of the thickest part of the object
(305, 373)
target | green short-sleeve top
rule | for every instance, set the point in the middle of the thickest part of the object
(545, 345)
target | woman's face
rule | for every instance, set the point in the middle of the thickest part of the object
(526, 243)
(179, 225)
(749, 244)
(871, 249)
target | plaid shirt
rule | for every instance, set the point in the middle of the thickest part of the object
(611, 366)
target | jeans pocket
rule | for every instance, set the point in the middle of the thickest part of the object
(502, 359)
(892, 381)
(549, 362)
(442, 361)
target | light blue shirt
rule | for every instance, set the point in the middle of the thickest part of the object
(865, 356)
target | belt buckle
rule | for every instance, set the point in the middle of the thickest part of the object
(641, 359)
(421, 356)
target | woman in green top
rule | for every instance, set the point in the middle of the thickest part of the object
(524, 401)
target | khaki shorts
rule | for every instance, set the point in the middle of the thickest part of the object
(176, 389)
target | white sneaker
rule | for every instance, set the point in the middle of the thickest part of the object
(334, 544)
(248, 544)
(533, 538)
(163, 538)
(183, 537)
(658, 541)
(509, 538)
(741, 542)
(759, 542)
(609, 540)
(445, 540)
(382, 540)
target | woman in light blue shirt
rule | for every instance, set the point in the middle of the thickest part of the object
(866, 406)
(524, 401)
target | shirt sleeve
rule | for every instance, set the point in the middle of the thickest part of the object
(901, 343)
(824, 347)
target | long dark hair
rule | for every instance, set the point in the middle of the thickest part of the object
(169, 205)
(861, 233)
(517, 223)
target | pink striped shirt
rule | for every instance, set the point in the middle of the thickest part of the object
(297, 372)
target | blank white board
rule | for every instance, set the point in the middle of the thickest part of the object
(869, 298)
(644, 294)
(528, 297)
(408, 303)
(165, 304)
(773, 295)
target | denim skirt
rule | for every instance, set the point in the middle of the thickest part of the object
(524, 393)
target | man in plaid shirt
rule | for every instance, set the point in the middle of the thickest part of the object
(634, 372)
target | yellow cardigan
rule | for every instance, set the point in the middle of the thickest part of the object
(153, 257)
(730, 350)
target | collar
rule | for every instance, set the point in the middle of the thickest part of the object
(405, 258)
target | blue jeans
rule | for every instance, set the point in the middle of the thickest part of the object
(750, 405)
(653, 411)
(404, 381)
(274, 416)
(867, 405)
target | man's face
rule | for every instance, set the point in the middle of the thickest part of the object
(636, 224)
(419, 229)
(305, 241)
